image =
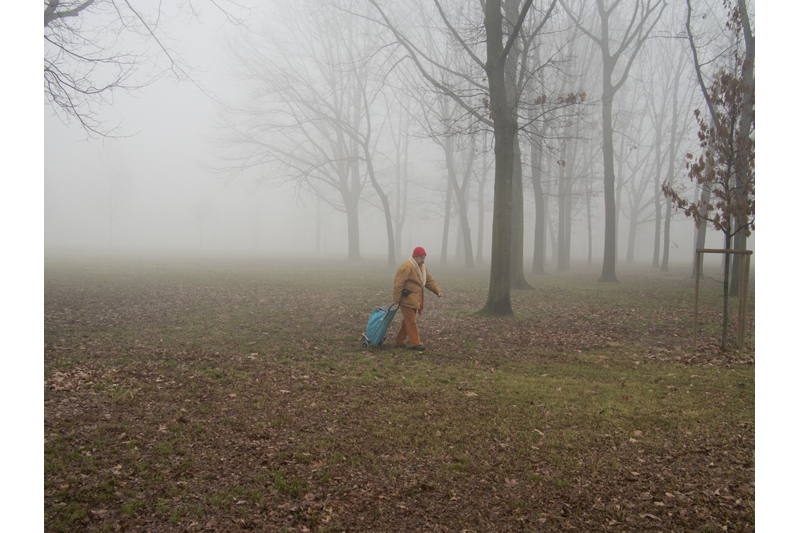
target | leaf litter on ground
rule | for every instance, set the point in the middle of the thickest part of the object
(237, 397)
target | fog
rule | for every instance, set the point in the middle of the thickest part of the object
(171, 190)
(162, 182)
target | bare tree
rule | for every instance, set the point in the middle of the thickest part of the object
(309, 119)
(498, 112)
(400, 134)
(94, 48)
(437, 121)
(640, 23)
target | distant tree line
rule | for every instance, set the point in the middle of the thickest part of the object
(587, 108)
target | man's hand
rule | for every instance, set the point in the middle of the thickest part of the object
(440, 294)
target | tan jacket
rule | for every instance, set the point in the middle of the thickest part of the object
(406, 278)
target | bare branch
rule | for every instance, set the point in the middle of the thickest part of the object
(50, 13)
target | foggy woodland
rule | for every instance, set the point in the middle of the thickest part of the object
(363, 129)
(600, 140)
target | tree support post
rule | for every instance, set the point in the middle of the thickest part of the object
(744, 286)
(697, 269)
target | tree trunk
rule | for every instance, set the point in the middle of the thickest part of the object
(548, 194)
(632, 234)
(318, 240)
(667, 223)
(539, 206)
(464, 241)
(565, 179)
(657, 200)
(700, 239)
(518, 280)
(387, 212)
(463, 208)
(608, 273)
(401, 195)
(725, 291)
(588, 186)
(498, 303)
(353, 247)
(512, 13)
(673, 153)
(446, 229)
(481, 208)
(748, 73)
(568, 221)
(562, 213)
(739, 243)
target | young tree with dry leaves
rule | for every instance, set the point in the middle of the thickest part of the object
(725, 167)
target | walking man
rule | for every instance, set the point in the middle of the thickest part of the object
(409, 281)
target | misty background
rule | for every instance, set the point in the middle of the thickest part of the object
(164, 181)
(55, 176)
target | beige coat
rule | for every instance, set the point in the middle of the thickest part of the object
(406, 278)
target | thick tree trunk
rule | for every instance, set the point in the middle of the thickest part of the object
(498, 303)
(512, 13)
(748, 73)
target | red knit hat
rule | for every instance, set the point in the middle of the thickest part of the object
(419, 250)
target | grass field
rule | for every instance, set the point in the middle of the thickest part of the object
(235, 396)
